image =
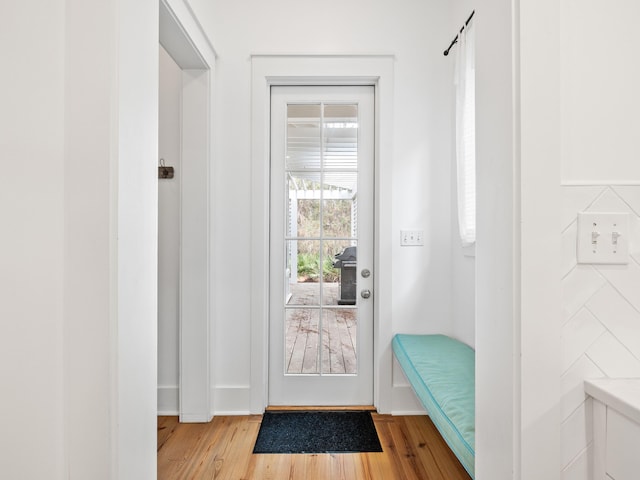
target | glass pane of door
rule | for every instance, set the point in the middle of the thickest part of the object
(321, 181)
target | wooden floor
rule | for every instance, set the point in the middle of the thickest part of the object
(222, 450)
(308, 352)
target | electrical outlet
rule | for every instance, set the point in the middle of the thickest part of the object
(411, 238)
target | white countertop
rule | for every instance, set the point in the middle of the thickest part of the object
(622, 394)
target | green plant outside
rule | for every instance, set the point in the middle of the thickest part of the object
(309, 268)
(336, 222)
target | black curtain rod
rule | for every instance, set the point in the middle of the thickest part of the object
(455, 40)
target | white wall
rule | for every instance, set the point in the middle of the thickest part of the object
(600, 77)
(135, 353)
(31, 244)
(600, 317)
(463, 312)
(78, 258)
(89, 290)
(585, 325)
(578, 99)
(562, 113)
(170, 91)
(517, 341)
(539, 276)
(416, 33)
(600, 172)
(497, 248)
(518, 251)
(110, 271)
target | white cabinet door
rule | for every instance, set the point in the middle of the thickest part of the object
(623, 447)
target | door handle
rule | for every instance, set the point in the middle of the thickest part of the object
(365, 293)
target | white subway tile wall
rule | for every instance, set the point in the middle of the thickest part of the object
(601, 314)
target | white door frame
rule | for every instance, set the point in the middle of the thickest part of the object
(268, 70)
(183, 38)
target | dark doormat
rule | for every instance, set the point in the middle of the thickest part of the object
(317, 432)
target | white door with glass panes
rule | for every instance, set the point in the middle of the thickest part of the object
(321, 245)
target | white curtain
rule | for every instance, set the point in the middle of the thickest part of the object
(466, 134)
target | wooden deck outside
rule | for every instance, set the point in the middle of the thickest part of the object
(339, 332)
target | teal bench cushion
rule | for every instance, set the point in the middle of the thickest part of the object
(441, 371)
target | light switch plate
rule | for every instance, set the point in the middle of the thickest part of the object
(411, 238)
(603, 238)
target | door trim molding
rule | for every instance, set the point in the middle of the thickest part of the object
(269, 70)
(182, 37)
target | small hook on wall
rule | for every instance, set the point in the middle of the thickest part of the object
(164, 172)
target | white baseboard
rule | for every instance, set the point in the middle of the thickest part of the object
(405, 402)
(231, 400)
(196, 418)
(168, 399)
(236, 400)
(226, 401)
